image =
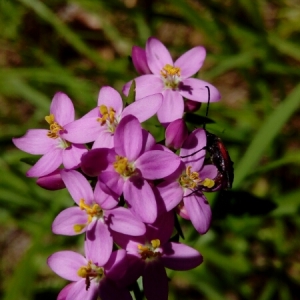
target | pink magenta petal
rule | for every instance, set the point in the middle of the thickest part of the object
(148, 141)
(176, 133)
(82, 131)
(35, 141)
(139, 60)
(144, 108)
(104, 140)
(99, 243)
(156, 164)
(78, 186)
(62, 108)
(209, 171)
(111, 183)
(145, 85)
(64, 292)
(110, 98)
(66, 264)
(172, 107)
(180, 257)
(72, 156)
(128, 138)
(191, 61)
(195, 89)
(198, 210)
(193, 150)
(51, 182)
(116, 265)
(122, 220)
(155, 281)
(97, 160)
(171, 193)
(157, 55)
(105, 200)
(141, 200)
(46, 164)
(108, 290)
(79, 291)
(65, 221)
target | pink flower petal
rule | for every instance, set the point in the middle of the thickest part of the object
(191, 61)
(105, 200)
(122, 220)
(139, 60)
(99, 243)
(180, 257)
(66, 264)
(72, 156)
(62, 108)
(108, 290)
(78, 291)
(51, 182)
(78, 186)
(195, 89)
(116, 265)
(111, 183)
(157, 55)
(155, 281)
(198, 210)
(128, 138)
(65, 221)
(104, 140)
(172, 107)
(110, 98)
(140, 197)
(46, 164)
(64, 292)
(171, 193)
(156, 164)
(145, 108)
(35, 141)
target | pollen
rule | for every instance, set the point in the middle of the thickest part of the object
(55, 128)
(149, 252)
(170, 76)
(108, 118)
(90, 272)
(123, 167)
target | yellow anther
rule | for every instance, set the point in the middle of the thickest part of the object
(78, 227)
(149, 251)
(169, 70)
(83, 272)
(55, 128)
(155, 243)
(207, 182)
(123, 167)
(107, 115)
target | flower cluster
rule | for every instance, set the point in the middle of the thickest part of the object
(127, 187)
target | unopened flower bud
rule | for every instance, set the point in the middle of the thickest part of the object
(176, 134)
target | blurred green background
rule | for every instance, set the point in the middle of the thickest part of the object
(252, 250)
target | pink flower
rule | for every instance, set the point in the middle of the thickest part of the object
(150, 254)
(56, 150)
(129, 166)
(176, 134)
(189, 181)
(99, 125)
(172, 79)
(94, 275)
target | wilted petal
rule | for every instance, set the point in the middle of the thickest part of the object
(156, 164)
(128, 138)
(198, 210)
(62, 108)
(195, 89)
(35, 141)
(98, 243)
(72, 156)
(155, 281)
(78, 186)
(122, 220)
(180, 257)
(191, 61)
(66, 220)
(46, 164)
(109, 97)
(172, 107)
(157, 55)
(140, 197)
(145, 108)
(66, 264)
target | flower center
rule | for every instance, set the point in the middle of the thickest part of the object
(93, 211)
(149, 252)
(90, 272)
(170, 76)
(123, 167)
(108, 118)
(55, 128)
(191, 180)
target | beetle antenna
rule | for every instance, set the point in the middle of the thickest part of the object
(207, 107)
